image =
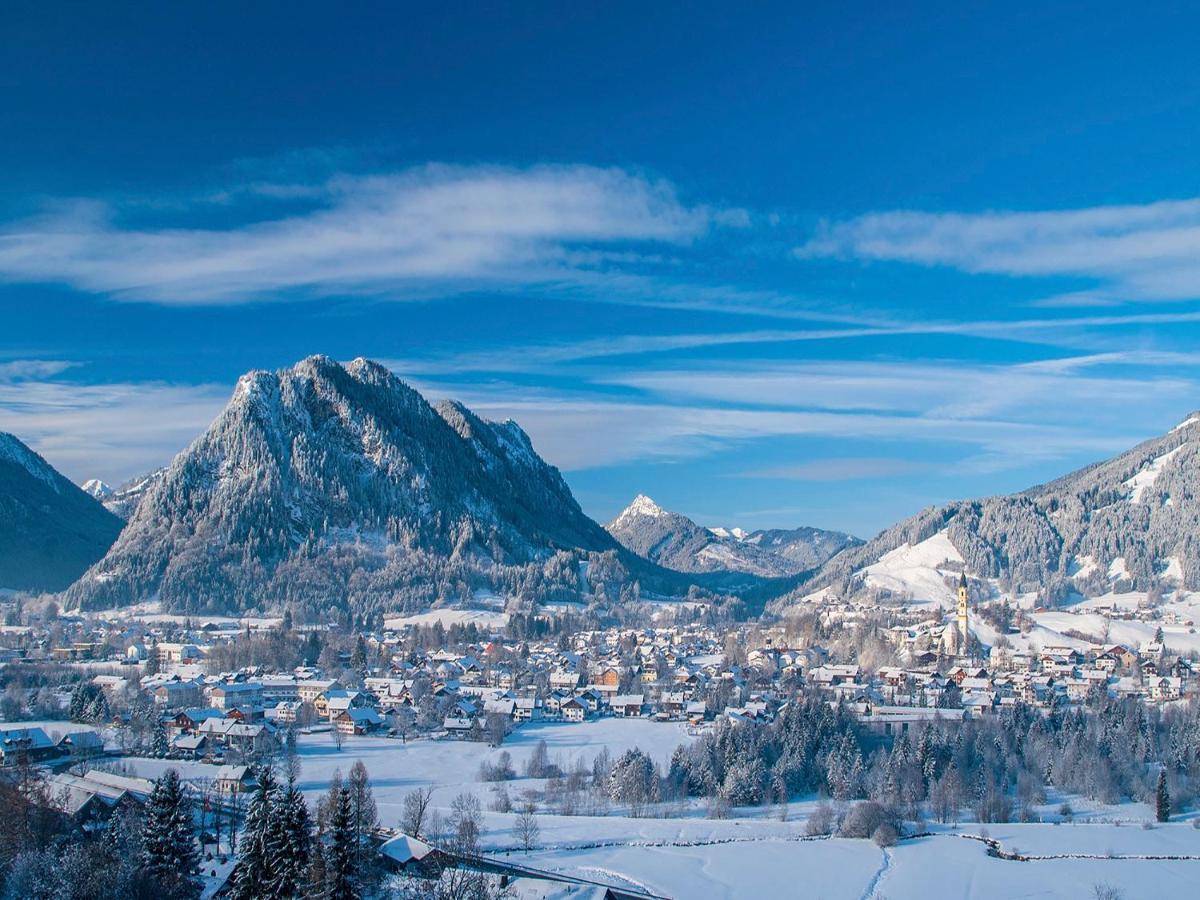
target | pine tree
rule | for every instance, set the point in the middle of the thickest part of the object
(81, 699)
(363, 812)
(343, 851)
(289, 843)
(255, 866)
(169, 853)
(161, 746)
(98, 711)
(1162, 799)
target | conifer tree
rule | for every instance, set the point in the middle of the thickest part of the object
(1162, 799)
(363, 812)
(342, 877)
(288, 844)
(169, 853)
(255, 865)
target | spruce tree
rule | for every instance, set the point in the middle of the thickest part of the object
(342, 873)
(169, 853)
(1162, 799)
(255, 866)
(363, 811)
(289, 843)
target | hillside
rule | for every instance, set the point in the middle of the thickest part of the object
(1131, 523)
(50, 530)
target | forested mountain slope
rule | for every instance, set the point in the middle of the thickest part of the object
(50, 530)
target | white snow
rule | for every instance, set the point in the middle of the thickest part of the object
(918, 569)
(1148, 474)
(642, 506)
(482, 618)
(1191, 420)
(97, 488)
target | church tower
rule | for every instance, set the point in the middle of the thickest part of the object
(963, 630)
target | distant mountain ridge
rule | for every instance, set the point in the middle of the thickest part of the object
(50, 530)
(1129, 523)
(122, 501)
(323, 486)
(676, 542)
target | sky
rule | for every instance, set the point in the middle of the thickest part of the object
(770, 264)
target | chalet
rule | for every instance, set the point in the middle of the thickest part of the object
(414, 857)
(310, 689)
(627, 705)
(96, 795)
(234, 780)
(527, 709)
(573, 710)
(458, 727)
(356, 720)
(81, 744)
(190, 720)
(191, 746)
(31, 744)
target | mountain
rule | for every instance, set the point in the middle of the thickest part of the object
(1131, 523)
(323, 486)
(122, 501)
(96, 489)
(50, 530)
(676, 542)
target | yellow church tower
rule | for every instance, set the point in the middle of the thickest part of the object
(963, 629)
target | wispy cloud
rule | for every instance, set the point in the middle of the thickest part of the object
(839, 469)
(110, 431)
(432, 229)
(1146, 252)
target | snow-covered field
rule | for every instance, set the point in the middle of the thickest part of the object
(683, 854)
(480, 617)
(449, 766)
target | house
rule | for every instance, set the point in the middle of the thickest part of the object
(96, 795)
(31, 744)
(310, 689)
(457, 726)
(191, 746)
(527, 709)
(234, 780)
(177, 694)
(178, 654)
(414, 857)
(356, 720)
(627, 705)
(189, 720)
(238, 693)
(81, 744)
(573, 710)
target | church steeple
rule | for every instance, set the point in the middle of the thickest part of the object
(963, 622)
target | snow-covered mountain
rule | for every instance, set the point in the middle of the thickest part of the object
(676, 542)
(1131, 523)
(96, 489)
(50, 530)
(122, 501)
(322, 485)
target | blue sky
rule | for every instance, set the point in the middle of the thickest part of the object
(774, 265)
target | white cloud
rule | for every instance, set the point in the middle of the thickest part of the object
(1145, 252)
(108, 431)
(436, 228)
(849, 468)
